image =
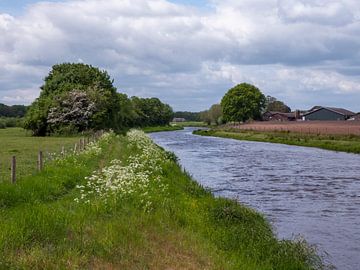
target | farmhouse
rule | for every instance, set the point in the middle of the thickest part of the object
(278, 116)
(328, 114)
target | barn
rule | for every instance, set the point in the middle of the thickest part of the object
(278, 116)
(328, 114)
(356, 117)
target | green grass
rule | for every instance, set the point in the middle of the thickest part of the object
(161, 128)
(190, 124)
(350, 143)
(41, 227)
(18, 142)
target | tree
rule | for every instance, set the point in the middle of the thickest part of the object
(74, 111)
(243, 102)
(188, 116)
(274, 105)
(63, 80)
(215, 113)
(151, 112)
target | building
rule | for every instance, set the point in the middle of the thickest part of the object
(327, 114)
(355, 117)
(178, 120)
(279, 116)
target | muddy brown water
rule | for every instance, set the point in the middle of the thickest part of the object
(303, 191)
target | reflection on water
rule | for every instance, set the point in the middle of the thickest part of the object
(307, 191)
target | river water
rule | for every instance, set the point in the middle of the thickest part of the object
(303, 191)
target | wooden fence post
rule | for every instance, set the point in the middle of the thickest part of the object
(75, 148)
(13, 170)
(63, 151)
(40, 161)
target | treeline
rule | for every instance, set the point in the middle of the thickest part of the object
(188, 116)
(12, 111)
(80, 97)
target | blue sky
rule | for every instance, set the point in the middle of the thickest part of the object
(18, 6)
(303, 52)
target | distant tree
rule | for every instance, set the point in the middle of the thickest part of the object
(272, 104)
(215, 114)
(151, 112)
(205, 117)
(12, 111)
(63, 80)
(243, 102)
(188, 116)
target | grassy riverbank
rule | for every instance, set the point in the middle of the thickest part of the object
(125, 204)
(350, 144)
(161, 128)
(190, 124)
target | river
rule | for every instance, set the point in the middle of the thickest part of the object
(303, 191)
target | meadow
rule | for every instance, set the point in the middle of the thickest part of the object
(19, 142)
(124, 203)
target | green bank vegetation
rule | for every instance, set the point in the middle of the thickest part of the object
(19, 142)
(348, 143)
(161, 128)
(190, 124)
(90, 211)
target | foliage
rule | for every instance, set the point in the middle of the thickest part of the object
(212, 116)
(79, 97)
(243, 102)
(274, 105)
(188, 116)
(12, 111)
(46, 113)
(74, 109)
(151, 112)
(7, 122)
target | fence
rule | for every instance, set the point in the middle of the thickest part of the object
(78, 147)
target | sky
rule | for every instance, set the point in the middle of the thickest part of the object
(188, 52)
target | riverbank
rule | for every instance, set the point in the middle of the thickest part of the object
(350, 143)
(124, 203)
(190, 124)
(161, 128)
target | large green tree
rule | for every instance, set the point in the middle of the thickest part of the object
(243, 102)
(274, 105)
(78, 96)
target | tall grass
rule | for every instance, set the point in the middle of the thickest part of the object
(130, 206)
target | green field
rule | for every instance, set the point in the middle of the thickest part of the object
(18, 142)
(350, 143)
(138, 210)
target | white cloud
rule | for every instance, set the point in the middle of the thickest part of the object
(298, 50)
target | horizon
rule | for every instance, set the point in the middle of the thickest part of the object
(188, 53)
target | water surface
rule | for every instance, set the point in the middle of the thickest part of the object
(307, 191)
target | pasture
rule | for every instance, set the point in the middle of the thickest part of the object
(19, 142)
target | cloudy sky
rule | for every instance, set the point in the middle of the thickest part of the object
(188, 52)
